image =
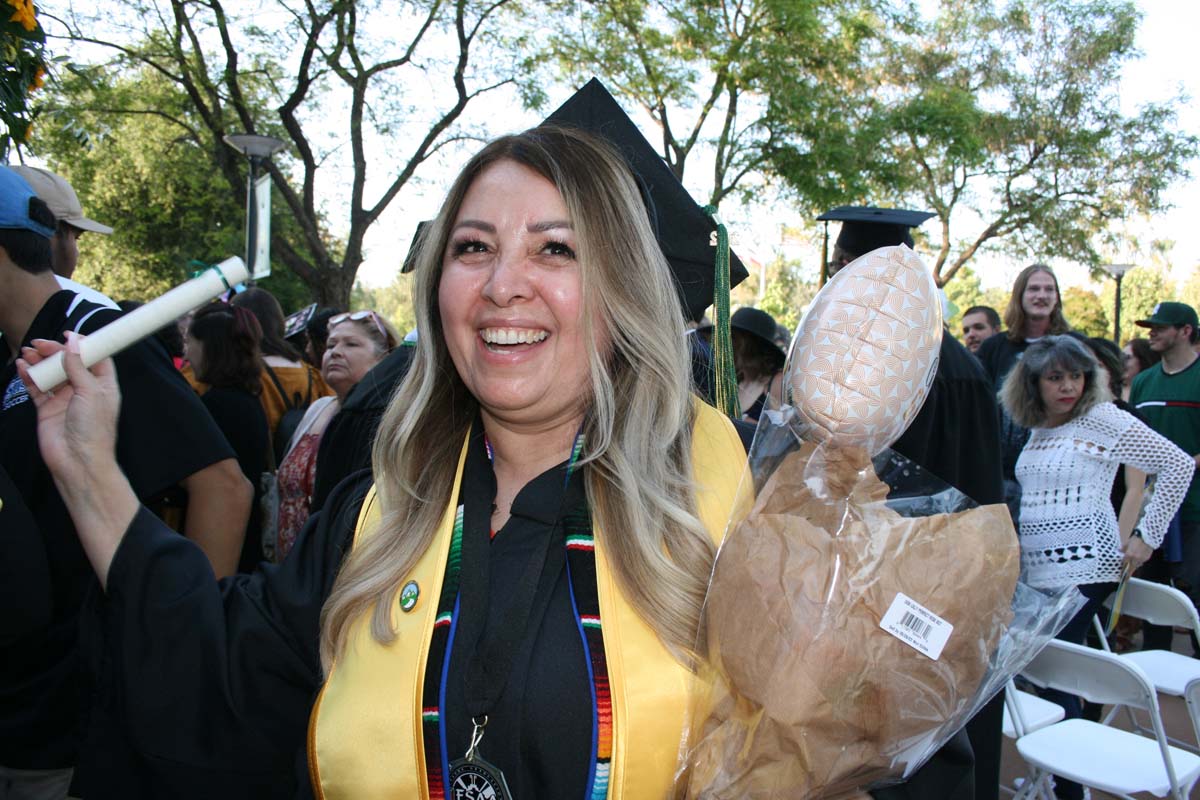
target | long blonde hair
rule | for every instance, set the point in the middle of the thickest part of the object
(637, 448)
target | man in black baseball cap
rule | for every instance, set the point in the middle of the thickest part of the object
(1171, 313)
(1167, 395)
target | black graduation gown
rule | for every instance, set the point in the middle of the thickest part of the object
(208, 687)
(956, 435)
(164, 434)
(241, 418)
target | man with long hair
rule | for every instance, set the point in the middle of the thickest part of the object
(1034, 310)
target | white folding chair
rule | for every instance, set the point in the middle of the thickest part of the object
(1169, 672)
(1191, 696)
(1094, 754)
(1025, 713)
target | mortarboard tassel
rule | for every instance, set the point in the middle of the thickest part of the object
(724, 376)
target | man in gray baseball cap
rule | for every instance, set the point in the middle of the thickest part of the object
(166, 438)
(56, 193)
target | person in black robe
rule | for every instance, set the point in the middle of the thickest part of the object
(222, 344)
(956, 437)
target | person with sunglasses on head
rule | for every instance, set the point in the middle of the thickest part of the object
(357, 341)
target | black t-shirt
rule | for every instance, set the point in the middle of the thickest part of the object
(999, 354)
(164, 434)
(241, 418)
(24, 573)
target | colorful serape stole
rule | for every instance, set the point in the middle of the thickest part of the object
(581, 570)
(581, 567)
(430, 706)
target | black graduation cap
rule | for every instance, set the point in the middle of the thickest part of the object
(685, 232)
(410, 258)
(867, 228)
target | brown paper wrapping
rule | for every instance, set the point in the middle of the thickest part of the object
(810, 698)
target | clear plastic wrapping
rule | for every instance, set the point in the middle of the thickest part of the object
(803, 694)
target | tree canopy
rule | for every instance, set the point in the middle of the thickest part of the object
(1005, 121)
(1000, 116)
(329, 78)
(713, 75)
(148, 175)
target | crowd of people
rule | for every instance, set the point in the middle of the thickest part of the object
(241, 566)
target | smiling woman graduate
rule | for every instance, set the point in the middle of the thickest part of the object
(512, 608)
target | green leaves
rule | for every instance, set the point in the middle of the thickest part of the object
(22, 71)
(1010, 116)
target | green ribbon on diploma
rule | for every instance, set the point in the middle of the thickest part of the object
(205, 268)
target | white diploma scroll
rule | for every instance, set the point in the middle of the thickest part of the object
(143, 321)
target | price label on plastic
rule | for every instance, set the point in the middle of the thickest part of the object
(916, 626)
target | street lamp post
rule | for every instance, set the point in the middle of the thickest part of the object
(1117, 271)
(258, 149)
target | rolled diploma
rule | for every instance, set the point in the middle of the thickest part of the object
(143, 321)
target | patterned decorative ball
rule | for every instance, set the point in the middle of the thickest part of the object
(865, 353)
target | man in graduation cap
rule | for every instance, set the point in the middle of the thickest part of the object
(956, 437)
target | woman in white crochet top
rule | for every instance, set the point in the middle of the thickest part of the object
(1069, 531)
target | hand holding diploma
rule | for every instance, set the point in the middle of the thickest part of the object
(140, 323)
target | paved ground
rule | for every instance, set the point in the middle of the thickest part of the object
(1175, 720)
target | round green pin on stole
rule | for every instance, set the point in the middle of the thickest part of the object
(409, 595)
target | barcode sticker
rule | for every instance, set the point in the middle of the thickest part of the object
(916, 626)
